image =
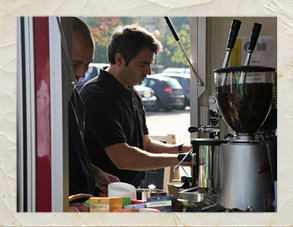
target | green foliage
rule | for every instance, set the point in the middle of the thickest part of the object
(102, 29)
(173, 48)
(172, 55)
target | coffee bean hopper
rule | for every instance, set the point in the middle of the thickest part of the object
(244, 97)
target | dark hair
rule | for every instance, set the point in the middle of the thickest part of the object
(129, 41)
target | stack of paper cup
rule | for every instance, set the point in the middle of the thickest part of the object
(120, 189)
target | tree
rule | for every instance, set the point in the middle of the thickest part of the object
(102, 29)
(172, 56)
(173, 48)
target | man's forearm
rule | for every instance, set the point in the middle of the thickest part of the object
(133, 158)
(154, 146)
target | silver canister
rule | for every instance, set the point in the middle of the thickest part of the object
(205, 164)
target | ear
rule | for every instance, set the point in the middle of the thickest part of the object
(119, 60)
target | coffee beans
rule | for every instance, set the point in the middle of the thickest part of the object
(245, 107)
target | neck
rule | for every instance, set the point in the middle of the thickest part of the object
(113, 70)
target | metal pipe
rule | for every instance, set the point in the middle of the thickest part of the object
(199, 81)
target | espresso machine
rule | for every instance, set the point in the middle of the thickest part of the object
(247, 159)
(239, 170)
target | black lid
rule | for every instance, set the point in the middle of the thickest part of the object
(207, 141)
(244, 69)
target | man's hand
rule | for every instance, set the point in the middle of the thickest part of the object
(78, 207)
(103, 179)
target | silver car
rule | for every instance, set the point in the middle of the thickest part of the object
(147, 95)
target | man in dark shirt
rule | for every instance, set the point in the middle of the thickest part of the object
(82, 174)
(116, 134)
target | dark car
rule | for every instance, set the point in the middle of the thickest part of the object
(93, 71)
(167, 90)
(184, 80)
(147, 95)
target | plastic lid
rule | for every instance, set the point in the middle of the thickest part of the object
(120, 189)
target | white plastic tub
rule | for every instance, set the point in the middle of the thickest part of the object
(121, 189)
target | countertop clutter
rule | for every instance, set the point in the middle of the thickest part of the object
(151, 200)
(155, 204)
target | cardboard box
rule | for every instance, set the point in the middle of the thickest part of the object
(163, 203)
(135, 206)
(105, 204)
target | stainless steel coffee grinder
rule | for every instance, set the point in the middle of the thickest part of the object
(244, 97)
(205, 151)
(238, 171)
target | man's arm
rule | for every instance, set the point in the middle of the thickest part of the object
(78, 207)
(154, 146)
(133, 158)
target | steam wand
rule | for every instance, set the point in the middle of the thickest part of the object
(200, 83)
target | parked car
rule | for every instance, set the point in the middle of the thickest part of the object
(184, 80)
(147, 95)
(167, 90)
(177, 70)
(93, 71)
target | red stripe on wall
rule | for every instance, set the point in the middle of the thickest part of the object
(43, 116)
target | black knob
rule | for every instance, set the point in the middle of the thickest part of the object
(254, 36)
(192, 129)
(234, 29)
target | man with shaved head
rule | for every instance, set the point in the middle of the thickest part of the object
(83, 174)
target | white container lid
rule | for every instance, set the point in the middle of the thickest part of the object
(121, 189)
